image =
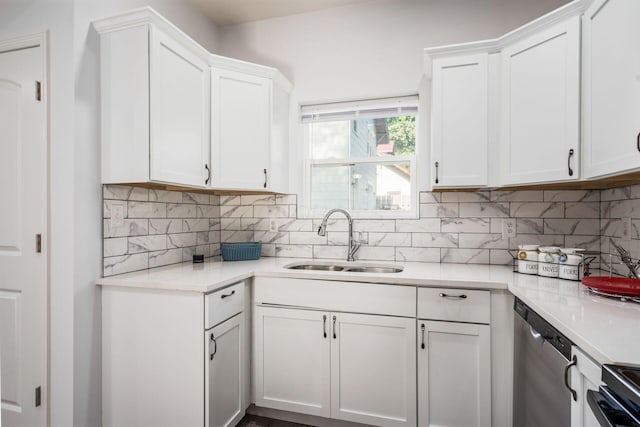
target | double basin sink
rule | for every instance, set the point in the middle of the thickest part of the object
(345, 267)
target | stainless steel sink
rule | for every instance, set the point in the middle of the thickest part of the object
(347, 268)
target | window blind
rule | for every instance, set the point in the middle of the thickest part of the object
(367, 109)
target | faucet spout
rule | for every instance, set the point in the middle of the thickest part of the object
(353, 245)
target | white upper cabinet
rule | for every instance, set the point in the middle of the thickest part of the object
(179, 98)
(611, 87)
(460, 118)
(540, 94)
(240, 130)
(173, 113)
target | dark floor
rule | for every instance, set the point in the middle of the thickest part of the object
(256, 421)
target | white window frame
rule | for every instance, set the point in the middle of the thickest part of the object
(308, 163)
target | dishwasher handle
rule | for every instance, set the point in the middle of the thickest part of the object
(574, 362)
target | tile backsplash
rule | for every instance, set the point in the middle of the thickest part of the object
(165, 227)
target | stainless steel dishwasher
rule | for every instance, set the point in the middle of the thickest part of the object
(542, 396)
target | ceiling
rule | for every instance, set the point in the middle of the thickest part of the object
(231, 12)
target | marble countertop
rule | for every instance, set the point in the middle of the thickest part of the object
(606, 329)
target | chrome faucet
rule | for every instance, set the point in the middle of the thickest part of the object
(353, 245)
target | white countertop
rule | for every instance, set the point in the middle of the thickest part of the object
(606, 329)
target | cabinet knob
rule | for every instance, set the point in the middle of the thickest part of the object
(569, 162)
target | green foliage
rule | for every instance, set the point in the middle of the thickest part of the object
(402, 130)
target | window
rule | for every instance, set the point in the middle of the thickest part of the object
(361, 156)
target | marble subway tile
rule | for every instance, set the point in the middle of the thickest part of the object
(233, 224)
(572, 196)
(125, 263)
(374, 225)
(307, 238)
(590, 243)
(227, 236)
(254, 224)
(198, 198)
(271, 237)
(330, 252)
(214, 223)
(465, 256)
(146, 210)
(424, 225)
(294, 251)
(333, 224)
(622, 193)
(439, 210)
(372, 253)
(181, 210)
(484, 241)
(130, 227)
(611, 227)
(484, 210)
(500, 257)
(536, 239)
(181, 240)
(418, 254)
(165, 196)
(268, 250)
(229, 200)
(529, 226)
(236, 211)
(572, 226)
(285, 199)
(147, 243)
(107, 204)
(166, 257)
(605, 209)
(207, 211)
(429, 197)
(466, 196)
(465, 225)
(293, 211)
(537, 210)
(338, 238)
(270, 211)
(434, 240)
(122, 192)
(389, 239)
(624, 208)
(496, 225)
(202, 237)
(517, 196)
(165, 226)
(115, 246)
(258, 199)
(188, 253)
(291, 224)
(214, 236)
(214, 199)
(200, 224)
(582, 210)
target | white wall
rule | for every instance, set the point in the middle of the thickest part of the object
(370, 49)
(88, 196)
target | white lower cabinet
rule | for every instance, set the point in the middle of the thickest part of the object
(585, 375)
(352, 367)
(454, 374)
(224, 373)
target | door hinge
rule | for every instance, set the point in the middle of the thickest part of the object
(38, 91)
(38, 243)
(38, 396)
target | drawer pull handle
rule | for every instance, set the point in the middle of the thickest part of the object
(324, 325)
(463, 296)
(223, 296)
(574, 362)
(422, 329)
(215, 347)
(437, 165)
(206, 181)
(638, 142)
(569, 162)
(334, 328)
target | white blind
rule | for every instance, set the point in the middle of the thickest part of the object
(366, 109)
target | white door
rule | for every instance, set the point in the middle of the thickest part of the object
(540, 135)
(460, 119)
(584, 376)
(22, 277)
(292, 360)
(454, 374)
(373, 369)
(179, 109)
(240, 130)
(611, 87)
(224, 373)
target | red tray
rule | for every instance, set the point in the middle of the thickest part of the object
(614, 285)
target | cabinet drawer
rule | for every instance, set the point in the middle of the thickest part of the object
(222, 304)
(458, 305)
(352, 297)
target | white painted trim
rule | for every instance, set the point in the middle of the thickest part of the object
(41, 40)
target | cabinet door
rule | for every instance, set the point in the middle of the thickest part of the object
(240, 130)
(179, 98)
(373, 369)
(540, 106)
(224, 372)
(611, 87)
(459, 140)
(584, 376)
(292, 360)
(454, 374)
